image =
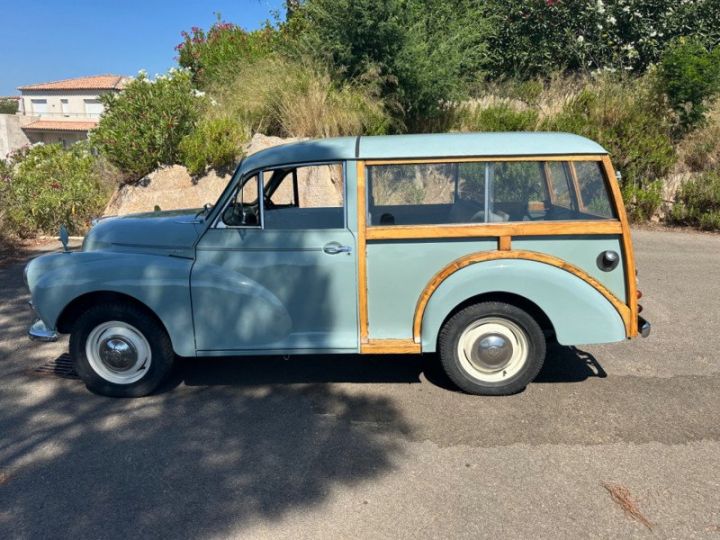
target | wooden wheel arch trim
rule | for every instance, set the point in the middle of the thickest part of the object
(623, 310)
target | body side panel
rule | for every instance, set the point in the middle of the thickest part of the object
(256, 289)
(400, 270)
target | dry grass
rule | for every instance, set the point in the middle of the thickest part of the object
(700, 150)
(621, 496)
(295, 99)
(547, 97)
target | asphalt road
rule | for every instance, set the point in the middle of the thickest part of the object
(349, 447)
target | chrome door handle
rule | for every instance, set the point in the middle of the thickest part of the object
(333, 248)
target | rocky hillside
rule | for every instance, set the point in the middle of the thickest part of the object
(172, 188)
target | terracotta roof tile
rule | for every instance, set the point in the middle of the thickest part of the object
(96, 82)
(60, 125)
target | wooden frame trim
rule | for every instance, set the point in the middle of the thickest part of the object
(629, 258)
(623, 310)
(362, 252)
(576, 185)
(450, 159)
(491, 230)
(504, 243)
(390, 346)
(549, 183)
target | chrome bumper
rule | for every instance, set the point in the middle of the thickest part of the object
(39, 332)
(644, 327)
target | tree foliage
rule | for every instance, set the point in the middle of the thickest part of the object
(213, 56)
(538, 37)
(426, 53)
(690, 76)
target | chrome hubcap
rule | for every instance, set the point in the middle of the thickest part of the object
(492, 349)
(118, 352)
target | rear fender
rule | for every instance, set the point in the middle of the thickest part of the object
(578, 312)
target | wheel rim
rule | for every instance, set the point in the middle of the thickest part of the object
(493, 349)
(118, 352)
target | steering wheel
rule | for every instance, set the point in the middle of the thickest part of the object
(478, 217)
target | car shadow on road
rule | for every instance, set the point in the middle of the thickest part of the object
(187, 464)
(562, 365)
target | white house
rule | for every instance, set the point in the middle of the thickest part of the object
(64, 111)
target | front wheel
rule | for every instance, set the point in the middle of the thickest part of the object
(491, 348)
(120, 350)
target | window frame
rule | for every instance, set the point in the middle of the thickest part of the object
(260, 172)
(567, 161)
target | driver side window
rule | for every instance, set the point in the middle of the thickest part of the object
(309, 197)
(244, 208)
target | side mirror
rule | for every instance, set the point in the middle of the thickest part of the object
(64, 238)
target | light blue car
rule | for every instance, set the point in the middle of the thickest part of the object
(478, 246)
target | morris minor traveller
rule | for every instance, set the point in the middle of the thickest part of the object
(479, 247)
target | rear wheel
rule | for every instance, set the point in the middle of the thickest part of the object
(491, 348)
(120, 350)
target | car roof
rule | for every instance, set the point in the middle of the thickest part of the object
(438, 145)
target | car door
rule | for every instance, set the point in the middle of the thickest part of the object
(278, 273)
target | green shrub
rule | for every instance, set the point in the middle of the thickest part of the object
(213, 56)
(689, 75)
(425, 53)
(8, 106)
(215, 143)
(626, 118)
(142, 127)
(697, 202)
(501, 117)
(642, 202)
(300, 99)
(48, 187)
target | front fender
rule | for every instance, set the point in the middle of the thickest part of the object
(162, 283)
(579, 313)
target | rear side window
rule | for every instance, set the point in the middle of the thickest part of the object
(486, 192)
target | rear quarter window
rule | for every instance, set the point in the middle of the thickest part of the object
(593, 189)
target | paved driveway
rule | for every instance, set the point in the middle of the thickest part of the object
(380, 447)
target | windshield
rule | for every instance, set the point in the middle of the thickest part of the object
(229, 188)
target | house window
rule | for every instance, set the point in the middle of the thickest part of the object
(64, 108)
(93, 107)
(39, 106)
